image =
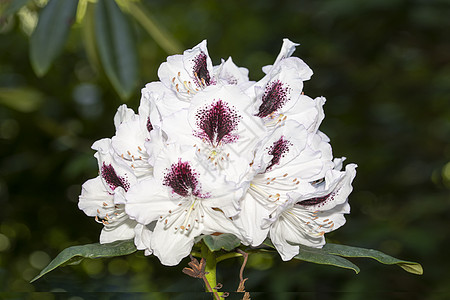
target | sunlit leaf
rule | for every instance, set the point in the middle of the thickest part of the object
(51, 33)
(22, 99)
(348, 251)
(74, 255)
(224, 241)
(116, 47)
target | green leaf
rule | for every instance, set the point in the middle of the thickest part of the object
(319, 256)
(116, 47)
(50, 34)
(88, 35)
(348, 251)
(225, 241)
(74, 255)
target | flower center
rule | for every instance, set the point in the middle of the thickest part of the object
(216, 123)
(111, 213)
(112, 179)
(201, 74)
(278, 150)
(274, 97)
(184, 181)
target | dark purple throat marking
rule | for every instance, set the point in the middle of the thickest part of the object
(112, 179)
(278, 150)
(200, 70)
(217, 123)
(274, 97)
(183, 180)
(317, 200)
(149, 125)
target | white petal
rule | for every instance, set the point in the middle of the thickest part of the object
(250, 220)
(173, 68)
(143, 235)
(228, 73)
(164, 99)
(191, 55)
(338, 185)
(123, 114)
(148, 200)
(120, 232)
(287, 49)
(286, 250)
(93, 195)
(172, 246)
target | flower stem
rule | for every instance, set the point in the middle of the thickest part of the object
(210, 269)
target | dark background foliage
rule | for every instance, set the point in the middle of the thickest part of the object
(384, 67)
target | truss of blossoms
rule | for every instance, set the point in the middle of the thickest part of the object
(215, 164)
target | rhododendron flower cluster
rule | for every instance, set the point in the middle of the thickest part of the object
(211, 152)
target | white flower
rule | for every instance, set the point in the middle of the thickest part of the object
(212, 152)
(189, 73)
(133, 132)
(308, 216)
(288, 157)
(103, 196)
(220, 124)
(186, 200)
(279, 95)
(228, 73)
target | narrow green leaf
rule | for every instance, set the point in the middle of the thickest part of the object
(116, 47)
(74, 255)
(155, 30)
(348, 251)
(88, 36)
(51, 33)
(13, 7)
(225, 241)
(319, 256)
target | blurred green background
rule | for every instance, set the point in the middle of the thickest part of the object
(383, 65)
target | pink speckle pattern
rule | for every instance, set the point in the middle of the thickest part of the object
(317, 201)
(112, 179)
(183, 180)
(278, 150)
(200, 70)
(217, 123)
(275, 96)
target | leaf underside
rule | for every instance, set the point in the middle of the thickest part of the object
(74, 255)
(333, 254)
